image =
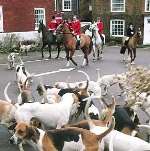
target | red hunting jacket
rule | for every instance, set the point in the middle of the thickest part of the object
(100, 26)
(76, 25)
(58, 19)
(52, 25)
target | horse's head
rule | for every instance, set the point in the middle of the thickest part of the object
(60, 28)
(63, 27)
(40, 26)
(94, 28)
(139, 32)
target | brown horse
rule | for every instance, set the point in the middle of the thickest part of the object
(131, 46)
(70, 43)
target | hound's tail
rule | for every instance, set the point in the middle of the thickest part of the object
(144, 126)
(6, 94)
(87, 76)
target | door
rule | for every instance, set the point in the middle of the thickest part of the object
(146, 39)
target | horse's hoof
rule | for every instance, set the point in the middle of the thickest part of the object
(94, 59)
(132, 63)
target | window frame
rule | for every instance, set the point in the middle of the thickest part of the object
(118, 10)
(63, 9)
(55, 5)
(2, 19)
(112, 24)
(44, 19)
(146, 6)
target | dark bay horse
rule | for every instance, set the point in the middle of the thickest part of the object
(70, 42)
(131, 46)
(49, 39)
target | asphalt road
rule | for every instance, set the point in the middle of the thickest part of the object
(109, 65)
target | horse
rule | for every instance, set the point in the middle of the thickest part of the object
(97, 42)
(131, 46)
(70, 43)
(49, 39)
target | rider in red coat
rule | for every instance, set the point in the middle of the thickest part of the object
(100, 26)
(53, 24)
(59, 18)
(69, 23)
(76, 25)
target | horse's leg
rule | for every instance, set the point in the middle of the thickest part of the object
(71, 55)
(131, 55)
(94, 52)
(49, 49)
(85, 61)
(134, 55)
(67, 56)
(42, 50)
(58, 48)
(98, 53)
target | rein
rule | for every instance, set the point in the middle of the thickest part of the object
(64, 33)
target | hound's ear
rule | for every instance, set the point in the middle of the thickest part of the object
(33, 133)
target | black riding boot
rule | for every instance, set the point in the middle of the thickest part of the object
(78, 45)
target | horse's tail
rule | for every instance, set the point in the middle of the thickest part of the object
(90, 46)
(122, 50)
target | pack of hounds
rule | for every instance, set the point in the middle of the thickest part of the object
(50, 124)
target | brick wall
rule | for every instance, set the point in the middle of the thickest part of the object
(18, 15)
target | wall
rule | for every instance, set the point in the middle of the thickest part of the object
(19, 14)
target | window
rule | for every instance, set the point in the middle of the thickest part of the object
(39, 16)
(147, 5)
(117, 5)
(66, 5)
(117, 28)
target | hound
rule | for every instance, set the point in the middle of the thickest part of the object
(25, 95)
(26, 46)
(7, 109)
(22, 75)
(11, 60)
(54, 140)
(50, 94)
(51, 115)
(108, 80)
(126, 142)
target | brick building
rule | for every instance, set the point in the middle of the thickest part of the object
(24, 15)
(67, 7)
(117, 14)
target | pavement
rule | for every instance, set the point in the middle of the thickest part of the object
(47, 71)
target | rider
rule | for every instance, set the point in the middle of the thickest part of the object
(100, 26)
(52, 26)
(76, 25)
(59, 18)
(130, 33)
(69, 23)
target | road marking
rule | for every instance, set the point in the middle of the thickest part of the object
(38, 60)
(52, 72)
